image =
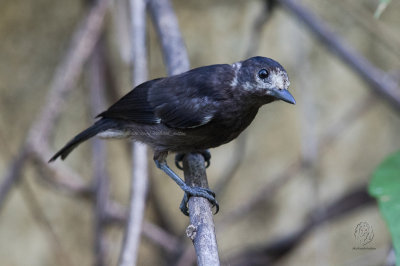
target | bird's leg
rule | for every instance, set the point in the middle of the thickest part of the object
(179, 158)
(159, 159)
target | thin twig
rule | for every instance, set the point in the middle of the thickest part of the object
(381, 83)
(139, 184)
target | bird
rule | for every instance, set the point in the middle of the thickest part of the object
(194, 111)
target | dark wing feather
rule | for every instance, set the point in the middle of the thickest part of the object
(134, 106)
(191, 99)
(187, 100)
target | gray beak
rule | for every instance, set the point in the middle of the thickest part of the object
(283, 95)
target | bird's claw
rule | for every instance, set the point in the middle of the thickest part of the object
(198, 192)
(179, 158)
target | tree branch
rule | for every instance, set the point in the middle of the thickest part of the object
(378, 80)
(139, 184)
(177, 61)
(201, 229)
(166, 23)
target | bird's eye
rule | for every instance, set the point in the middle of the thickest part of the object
(263, 74)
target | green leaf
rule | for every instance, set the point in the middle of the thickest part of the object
(385, 187)
(381, 7)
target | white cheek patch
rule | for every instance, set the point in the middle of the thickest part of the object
(278, 80)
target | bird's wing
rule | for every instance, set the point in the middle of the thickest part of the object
(190, 99)
(134, 106)
(187, 100)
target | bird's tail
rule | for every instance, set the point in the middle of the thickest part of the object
(92, 131)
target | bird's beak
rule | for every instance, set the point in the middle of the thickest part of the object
(283, 95)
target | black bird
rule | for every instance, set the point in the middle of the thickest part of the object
(191, 112)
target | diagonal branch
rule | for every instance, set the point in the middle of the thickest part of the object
(67, 73)
(378, 80)
(81, 46)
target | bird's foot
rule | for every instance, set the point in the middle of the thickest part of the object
(179, 158)
(189, 191)
(198, 192)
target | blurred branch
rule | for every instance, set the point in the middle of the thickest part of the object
(39, 216)
(168, 242)
(240, 142)
(383, 4)
(176, 59)
(272, 252)
(166, 23)
(383, 85)
(139, 184)
(60, 177)
(233, 166)
(117, 214)
(258, 25)
(100, 177)
(67, 73)
(264, 194)
(326, 140)
(382, 34)
(82, 44)
(158, 209)
(13, 174)
(187, 258)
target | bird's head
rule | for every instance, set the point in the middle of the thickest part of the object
(263, 79)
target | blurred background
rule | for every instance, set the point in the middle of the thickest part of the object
(292, 188)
